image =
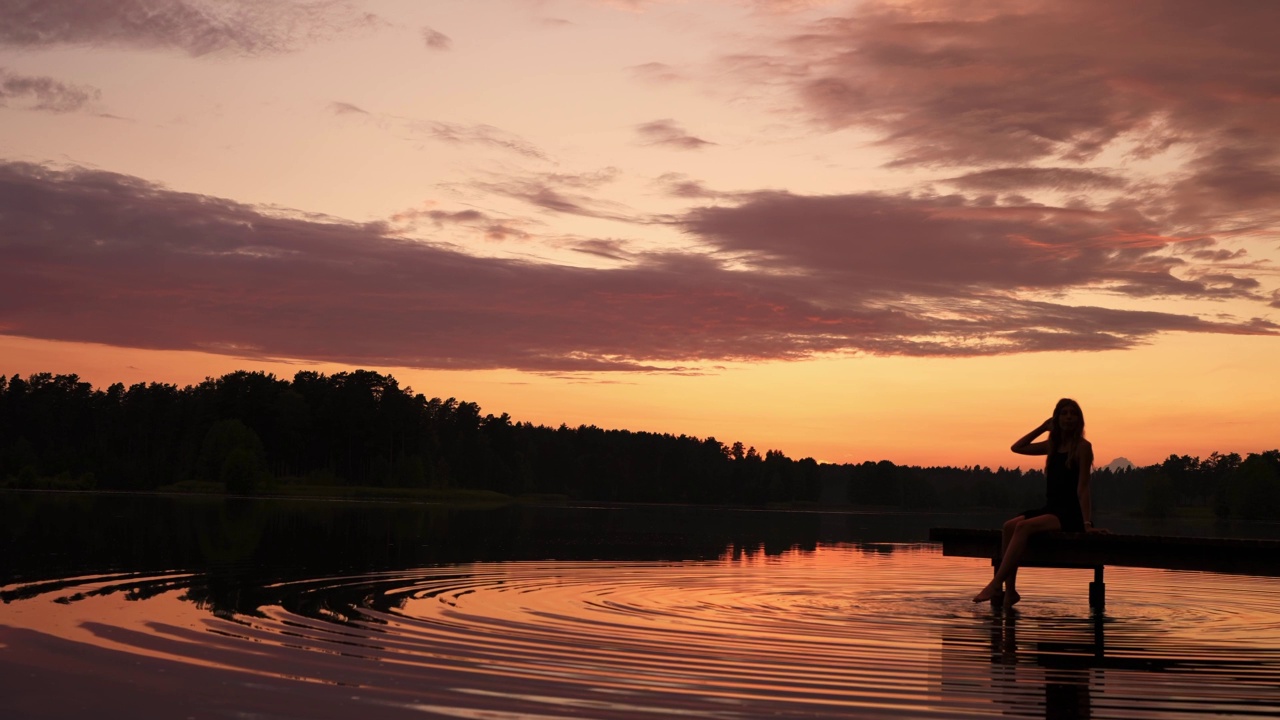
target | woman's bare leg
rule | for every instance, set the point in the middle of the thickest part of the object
(1011, 592)
(1013, 553)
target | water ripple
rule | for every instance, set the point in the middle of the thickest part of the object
(842, 631)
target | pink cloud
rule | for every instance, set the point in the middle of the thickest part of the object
(668, 132)
(197, 28)
(474, 134)
(345, 108)
(1004, 87)
(656, 72)
(608, 249)
(99, 257)
(477, 134)
(44, 93)
(490, 227)
(992, 82)
(1027, 178)
(944, 246)
(1230, 189)
(436, 40)
(1021, 96)
(682, 186)
(565, 193)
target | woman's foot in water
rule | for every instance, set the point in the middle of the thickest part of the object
(1010, 598)
(989, 592)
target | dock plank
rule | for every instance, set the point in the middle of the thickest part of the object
(1059, 549)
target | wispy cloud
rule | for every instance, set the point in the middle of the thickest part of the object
(44, 93)
(564, 193)
(607, 249)
(669, 132)
(656, 72)
(991, 82)
(477, 134)
(682, 186)
(196, 27)
(951, 247)
(1023, 99)
(490, 227)
(436, 40)
(346, 108)
(100, 257)
(1034, 178)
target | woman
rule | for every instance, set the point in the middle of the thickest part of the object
(1069, 506)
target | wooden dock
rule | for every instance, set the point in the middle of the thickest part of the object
(1097, 550)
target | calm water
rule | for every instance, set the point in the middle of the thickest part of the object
(158, 607)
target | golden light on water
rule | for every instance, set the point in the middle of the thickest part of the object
(837, 631)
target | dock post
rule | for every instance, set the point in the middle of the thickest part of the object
(1097, 590)
(995, 568)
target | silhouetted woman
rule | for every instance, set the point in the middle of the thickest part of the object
(1069, 506)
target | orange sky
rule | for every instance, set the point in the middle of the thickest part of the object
(845, 230)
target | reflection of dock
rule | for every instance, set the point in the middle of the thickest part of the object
(1097, 550)
(1069, 660)
(1019, 679)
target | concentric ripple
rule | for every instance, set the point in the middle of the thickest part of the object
(840, 631)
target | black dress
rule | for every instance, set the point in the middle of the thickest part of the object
(1062, 478)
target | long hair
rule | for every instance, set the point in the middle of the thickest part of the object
(1060, 439)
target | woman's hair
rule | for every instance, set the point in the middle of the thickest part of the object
(1059, 438)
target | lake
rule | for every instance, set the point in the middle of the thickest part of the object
(193, 607)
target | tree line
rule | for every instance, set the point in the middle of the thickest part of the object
(250, 431)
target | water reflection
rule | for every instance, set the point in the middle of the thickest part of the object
(1016, 671)
(328, 610)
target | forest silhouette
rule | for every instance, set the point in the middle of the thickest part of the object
(251, 432)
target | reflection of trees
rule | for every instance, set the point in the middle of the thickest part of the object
(244, 554)
(232, 454)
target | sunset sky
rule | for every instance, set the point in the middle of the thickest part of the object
(845, 230)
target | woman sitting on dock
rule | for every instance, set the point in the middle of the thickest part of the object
(1068, 505)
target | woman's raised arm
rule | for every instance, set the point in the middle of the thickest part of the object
(1025, 446)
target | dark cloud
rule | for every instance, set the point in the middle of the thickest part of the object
(458, 216)
(1004, 87)
(436, 40)
(1022, 96)
(491, 228)
(668, 132)
(196, 27)
(1221, 255)
(1029, 178)
(1228, 189)
(993, 82)
(99, 257)
(944, 246)
(44, 93)
(608, 249)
